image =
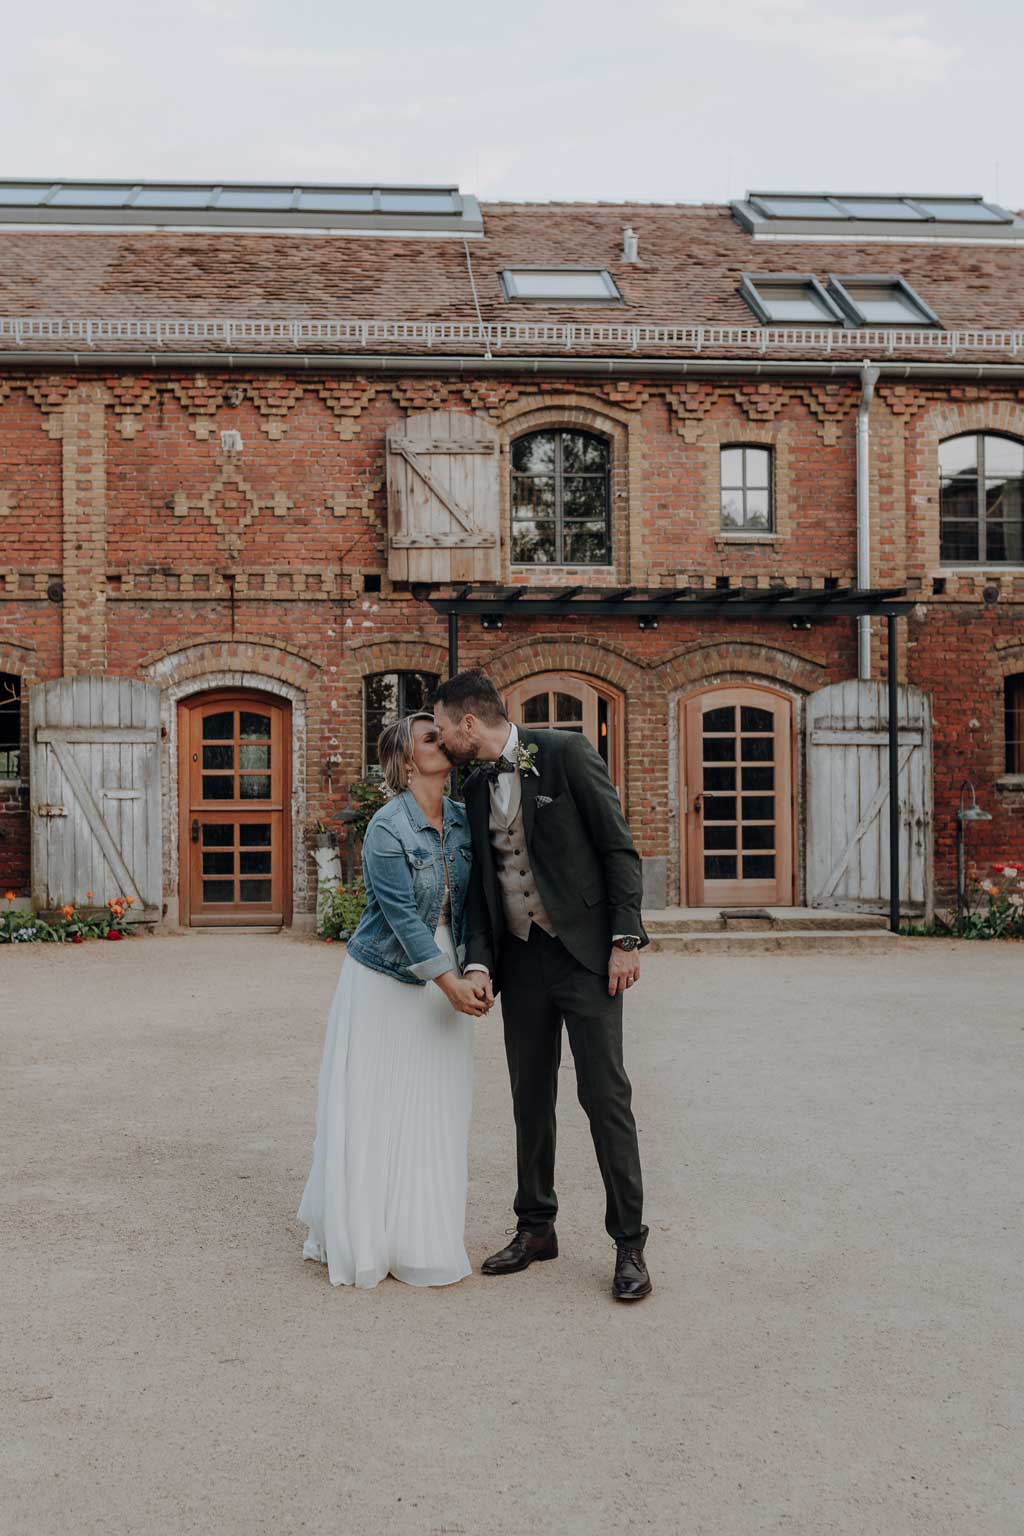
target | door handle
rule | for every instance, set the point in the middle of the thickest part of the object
(698, 802)
(195, 829)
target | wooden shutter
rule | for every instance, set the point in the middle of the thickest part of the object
(95, 788)
(848, 797)
(443, 498)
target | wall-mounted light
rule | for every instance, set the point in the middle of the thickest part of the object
(965, 812)
(491, 621)
(647, 621)
(802, 623)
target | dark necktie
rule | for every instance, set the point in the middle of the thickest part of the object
(490, 771)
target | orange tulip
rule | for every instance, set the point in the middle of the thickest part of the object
(67, 913)
(8, 896)
(88, 895)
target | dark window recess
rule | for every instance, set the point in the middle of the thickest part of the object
(982, 499)
(1014, 703)
(371, 582)
(561, 499)
(386, 697)
(746, 489)
(10, 726)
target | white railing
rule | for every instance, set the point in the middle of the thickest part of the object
(31, 331)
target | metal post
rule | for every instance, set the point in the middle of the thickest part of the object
(453, 643)
(894, 781)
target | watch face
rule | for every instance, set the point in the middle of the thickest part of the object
(630, 943)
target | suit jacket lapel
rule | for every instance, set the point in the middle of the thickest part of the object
(529, 785)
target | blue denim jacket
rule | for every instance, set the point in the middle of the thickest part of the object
(404, 879)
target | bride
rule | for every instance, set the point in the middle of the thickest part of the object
(387, 1189)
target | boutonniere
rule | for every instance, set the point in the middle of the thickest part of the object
(525, 758)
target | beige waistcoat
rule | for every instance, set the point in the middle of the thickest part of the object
(519, 896)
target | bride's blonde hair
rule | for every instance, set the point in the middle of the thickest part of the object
(394, 750)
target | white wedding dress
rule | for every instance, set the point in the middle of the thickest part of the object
(386, 1193)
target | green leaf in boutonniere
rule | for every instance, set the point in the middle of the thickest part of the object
(525, 759)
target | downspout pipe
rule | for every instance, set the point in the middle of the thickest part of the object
(868, 379)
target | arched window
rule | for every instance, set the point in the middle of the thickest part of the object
(386, 697)
(1013, 698)
(982, 497)
(746, 489)
(561, 499)
(10, 726)
(567, 701)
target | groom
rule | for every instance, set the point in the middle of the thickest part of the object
(553, 915)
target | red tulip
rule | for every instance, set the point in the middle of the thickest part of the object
(113, 934)
(77, 939)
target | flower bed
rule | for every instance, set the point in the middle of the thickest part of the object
(341, 908)
(72, 927)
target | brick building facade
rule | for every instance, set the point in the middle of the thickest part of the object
(215, 524)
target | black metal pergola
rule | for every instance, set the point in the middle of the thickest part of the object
(650, 605)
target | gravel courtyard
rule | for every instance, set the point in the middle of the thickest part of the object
(833, 1161)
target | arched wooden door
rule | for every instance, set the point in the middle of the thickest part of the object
(234, 792)
(736, 798)
(568, 701)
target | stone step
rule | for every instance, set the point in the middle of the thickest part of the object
(763, 920)
(785, 940)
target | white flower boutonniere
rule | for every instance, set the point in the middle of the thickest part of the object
(524, 759)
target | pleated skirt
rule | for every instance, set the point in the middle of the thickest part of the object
(386, 1192)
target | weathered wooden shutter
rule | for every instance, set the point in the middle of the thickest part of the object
(443, 498)
(95, 792)
(848, 797)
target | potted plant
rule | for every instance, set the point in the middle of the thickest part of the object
(322, 836)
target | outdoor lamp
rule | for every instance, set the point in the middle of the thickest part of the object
(965, 813)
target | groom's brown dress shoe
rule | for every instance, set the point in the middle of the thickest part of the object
(631, 1282)
(522, 1251)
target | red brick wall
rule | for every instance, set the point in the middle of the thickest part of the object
(291, 523)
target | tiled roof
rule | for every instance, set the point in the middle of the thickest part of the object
(691, 258)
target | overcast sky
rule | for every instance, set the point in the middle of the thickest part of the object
(680, 101)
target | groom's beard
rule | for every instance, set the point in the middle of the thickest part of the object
(459, 756)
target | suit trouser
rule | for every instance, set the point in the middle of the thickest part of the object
(542, 985)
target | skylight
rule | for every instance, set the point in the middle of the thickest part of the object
(789, 298)
(880, 301)
(866, 215)
(290, 208)
(569, 285)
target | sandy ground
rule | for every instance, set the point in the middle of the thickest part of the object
(833, 1160)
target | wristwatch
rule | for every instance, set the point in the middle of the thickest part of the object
(627, 941)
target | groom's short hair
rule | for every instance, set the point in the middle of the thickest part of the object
(473, 693)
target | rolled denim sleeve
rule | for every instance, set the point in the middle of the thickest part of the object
(385, 864)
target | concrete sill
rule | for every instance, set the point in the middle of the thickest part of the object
(749, 538)
(1011, 781)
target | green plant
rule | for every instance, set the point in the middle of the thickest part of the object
(341, 908)
(366, 796)
(995, 903)
(72, 927)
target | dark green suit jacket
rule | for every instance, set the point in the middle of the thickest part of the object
(587, 871)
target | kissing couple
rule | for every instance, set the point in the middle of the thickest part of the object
(531, 890)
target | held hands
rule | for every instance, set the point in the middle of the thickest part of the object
(623, 970)
(467, 994)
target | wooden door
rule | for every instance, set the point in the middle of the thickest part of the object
(234, 790)
(443, 510)
(736, 798)
(566, 701)
(848, 797)
(94, 745)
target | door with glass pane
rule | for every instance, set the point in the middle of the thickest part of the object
(566, 701)
(736, 799)
(234, 789)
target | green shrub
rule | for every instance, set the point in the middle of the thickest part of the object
(341, 908)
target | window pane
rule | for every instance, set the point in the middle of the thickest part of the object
(535, 710)
(960, 541)
(719, 808)
(883, 208)
(758, 464)
(759, 866)
(336, 202)
(732, 509)
(559, 285)
(1003, 542)
(758, 749)
(586, 543)
(721, 719)
(254, 786)
(757, 509)
(261, 198)
(533, 543)
(758, 837)
(583, 497)
(218, 835)
(90, 197)
(723, 836)
(752, 719)
(1003, 456)
(255, 833)
(731, 467)
(533, 496)
(417, 202)
(582, 453)
(253, 755)
(220, 727)
(173, 197)
(719, 867)
(958, 455)
(218, 890)
(416, 689)
(720, 778)
(567, 707)
(254, 725)
(758, 778)
(758, 807)
(217, 863)
(218, 786)
(254, 863)
(720, 749)
(218, 757)
(534, 454)
(959, 497)
(254, 890)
